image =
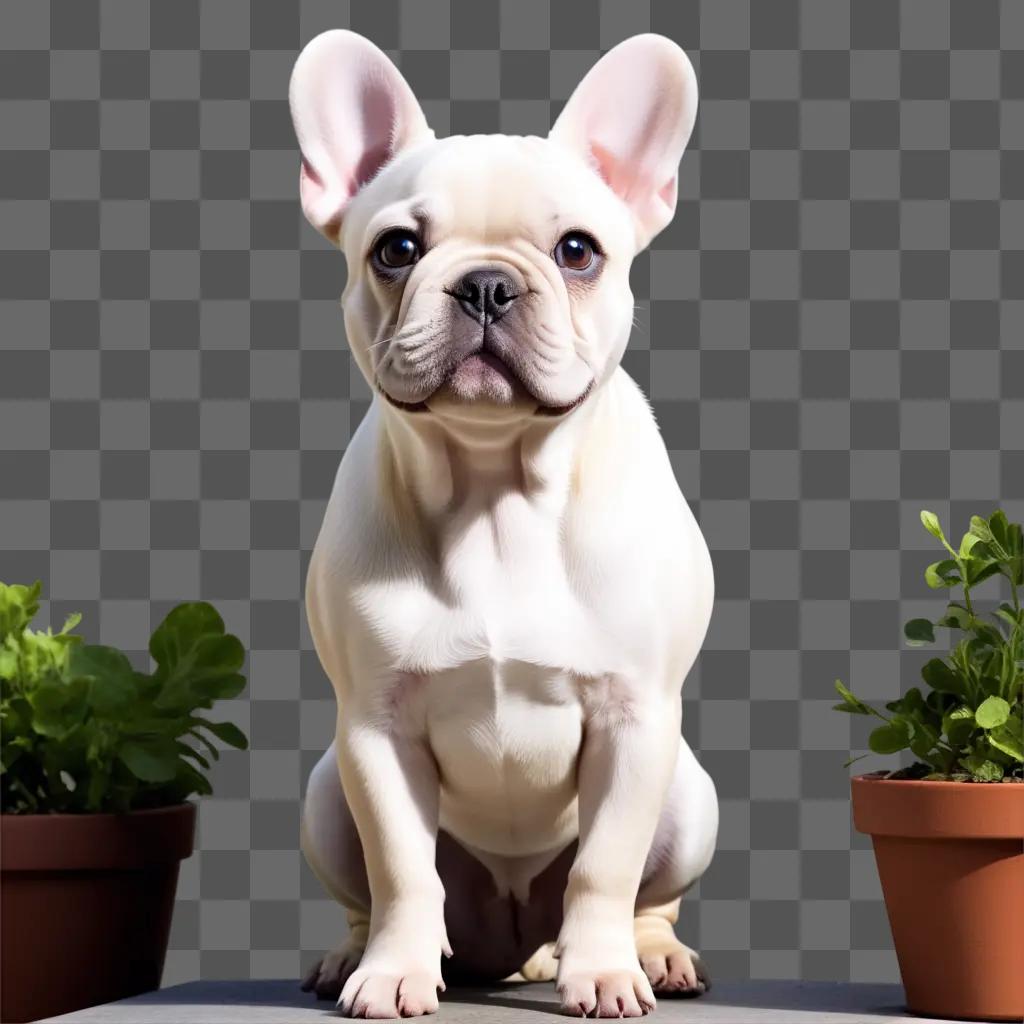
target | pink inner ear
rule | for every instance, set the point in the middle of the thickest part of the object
(669, 191)
(379, 128)
(605, 164)
(371, 162)
(631, 118)
(310, 173)
(353, 112)
(312, 192)
(628, 180)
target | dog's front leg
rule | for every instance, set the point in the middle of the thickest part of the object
(626, 763)
(391, 784)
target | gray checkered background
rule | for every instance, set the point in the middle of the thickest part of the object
(832, 333)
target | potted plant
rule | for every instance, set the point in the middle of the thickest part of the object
(98, 760)
(948, 830)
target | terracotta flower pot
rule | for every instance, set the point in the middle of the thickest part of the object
(950, 857)
(86, 906)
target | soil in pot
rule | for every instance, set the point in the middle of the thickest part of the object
(950, 858)
(86, 906)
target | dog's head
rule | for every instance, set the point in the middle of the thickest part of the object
(488, 275)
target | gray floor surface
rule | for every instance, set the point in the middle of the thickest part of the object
(281, 1002)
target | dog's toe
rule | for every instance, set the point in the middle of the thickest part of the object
(677, 972)
(328, 975)
(703, 974)
(310, 977)
(373, 995)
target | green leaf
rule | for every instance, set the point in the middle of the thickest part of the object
(1001, 532)
(184, 626)
(58, 707)
(913, 702)
(197, 661)
(890, 738)
(1015, 570)
(217, 656)
(980, 528)
(958, 725)
(979, 570)
(186, 751)
(990, 686)
(845, 693)
(942, 574)
(70, 622)
(8, 663)
(226, 732)
(956, 617)
(222, 688)
(200, 738)
(982, 769)
(939, 702)
(110, 674)
(851, 704)
(967, 543)
(940, 676)
(40, 654)
(156, 760)
(992, 712)
(924, 740)
(1009, 616)
(918, 632)
(1009, 738)
(19, 605)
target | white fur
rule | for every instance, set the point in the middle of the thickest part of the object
(506, 604)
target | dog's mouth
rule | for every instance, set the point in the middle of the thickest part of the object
(483, 365)
(484, 376)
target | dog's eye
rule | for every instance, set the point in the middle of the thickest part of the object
(397, 249)
(575, 251)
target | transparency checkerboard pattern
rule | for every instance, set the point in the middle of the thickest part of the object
(831, 332)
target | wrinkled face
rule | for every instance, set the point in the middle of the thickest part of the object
(490, 271)
(489, 274)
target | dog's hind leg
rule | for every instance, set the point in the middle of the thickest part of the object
(542, 966)
(331, 846)
(681, 852)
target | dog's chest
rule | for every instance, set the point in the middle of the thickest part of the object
(493, 673)
(507, 593)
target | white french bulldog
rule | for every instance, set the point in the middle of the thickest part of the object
(508, 587)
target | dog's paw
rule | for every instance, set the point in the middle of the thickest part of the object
(542, 966)
(328, 975)
(677, 971)
(605, 993)
(382, 992)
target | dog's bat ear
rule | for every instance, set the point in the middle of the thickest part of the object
(353, 113)
(631, 118)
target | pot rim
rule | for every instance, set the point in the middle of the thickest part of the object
(877, 776)
(106, 841)
(937, 809)
(99, 815)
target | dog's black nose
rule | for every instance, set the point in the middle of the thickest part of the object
(486, 295)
